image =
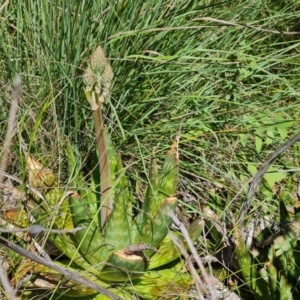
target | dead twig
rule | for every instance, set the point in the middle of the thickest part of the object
(4, 161)
(36, 229)
(11, 125)
(211, 291)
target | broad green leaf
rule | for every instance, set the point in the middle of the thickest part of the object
(162, 284)
(168, 177)
(273, 176)
(89, 240)
(69, 248)
(122, 266)
(150, 198)
(85, 190)
(244, 139)
(258, 143)
(158, 225)
(118, 233)
(273, 279)
(249, 270)
(251, 169)
(120, 292)
(269, 137)
(62, 284)
(168, 251)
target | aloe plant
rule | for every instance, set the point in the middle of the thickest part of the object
(115, 245)
(272, 269)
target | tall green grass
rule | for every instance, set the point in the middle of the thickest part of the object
(235, 85)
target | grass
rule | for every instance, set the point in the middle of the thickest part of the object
(228, 70)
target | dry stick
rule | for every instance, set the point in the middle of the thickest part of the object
(11, 295)
(4, 5)
(33, 190)
(64, 271)
(212, 293)
(11, 124)
(198, 282)
(260, 174)
(16, 89)
(36, 229)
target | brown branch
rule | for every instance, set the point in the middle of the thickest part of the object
(4, 162)
(211, 291)
(11, 125)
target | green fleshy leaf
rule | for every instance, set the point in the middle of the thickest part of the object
(272, 176)
(258, 143)
(70, 249)
(158, 226)
(248, 269)
(151, 197)
(90, 240)
(273, 279)
(162, 284)
(152, 187)
(117, 232)
(168, 252)
(169, 175)
(120, 292)
(121, 266)
(167, 187)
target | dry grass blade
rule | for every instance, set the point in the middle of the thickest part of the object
(36, 229)
(11, 124)
(7, 143)
(206, 282)
(210, 288)
(4, 5)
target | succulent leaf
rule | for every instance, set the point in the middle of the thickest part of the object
(150, 199)
(117, 231)
(170, 172)
(168, 252)
(158, 226)
(86, 191)
(90, 240)
(248, 269)
(168, 179)
(161, 186)
(156, 284)
(69, 248)
(54, 209)
(122, 266)
(273, 279)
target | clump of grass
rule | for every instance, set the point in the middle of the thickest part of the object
(228, 70)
